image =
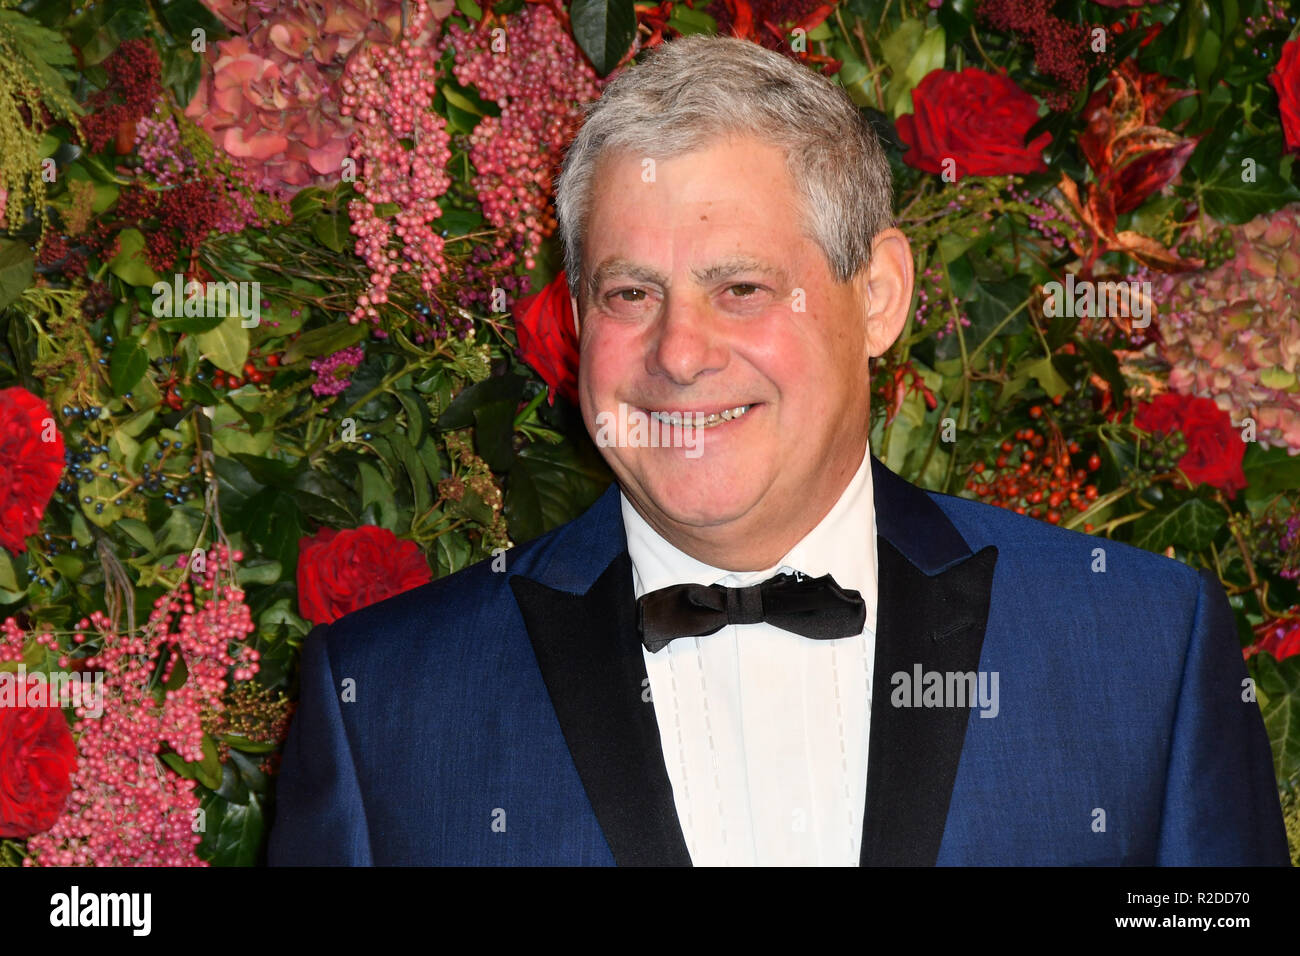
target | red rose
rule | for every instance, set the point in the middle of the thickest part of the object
(31, 461)
(975, 119)
(341, 571)
(1214, 446)
(547, 339)
(37, 759)
(1286, 80)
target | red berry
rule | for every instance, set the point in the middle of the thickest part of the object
(1035, 411)
(1094, 462)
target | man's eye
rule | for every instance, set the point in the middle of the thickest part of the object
(623, 292)
(743, 285)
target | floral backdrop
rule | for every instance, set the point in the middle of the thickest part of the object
(283, 332)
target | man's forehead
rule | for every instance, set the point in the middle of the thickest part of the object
(710, 270)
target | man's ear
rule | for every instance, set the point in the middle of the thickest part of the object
(886, 287)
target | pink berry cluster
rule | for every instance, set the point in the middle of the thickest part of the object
(158, 144)
(402, 148)
(539, 80)
(934, 300)
(126, 807)
(334, 372)
(1045, 221)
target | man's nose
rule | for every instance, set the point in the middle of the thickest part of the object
(687, 341)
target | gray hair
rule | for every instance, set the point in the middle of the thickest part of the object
(697, 88)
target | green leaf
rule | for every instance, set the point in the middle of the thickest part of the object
(502, 388)
(1045, 373)
(1270, 471)
(331, 231)
(604, 30)
(417, 413)
(232, 786)
(549, 485)
(192, 324)
(1279, 686)
(1191, 525)
(17, 268)
(324, 341)
(1104, 362)
(137, 531)
(226, 346)
(258, 571)
(414, 469)
(687, 21)
(129, 264)
(494, 429)
(233, 833)
(126, 365)
(912, 52)
(184, 16)
(460, 100)
(470, 9)
(1227, 198)
(174, 761)
(8, 578)
(208, 770)
(246, 745)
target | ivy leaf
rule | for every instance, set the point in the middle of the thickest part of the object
(1279, 683)
(1193, 525)
(1225, 197)
(1270, 471)
(604, 30)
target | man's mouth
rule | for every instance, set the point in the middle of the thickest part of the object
(698, 418)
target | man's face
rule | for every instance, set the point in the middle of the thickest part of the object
(708, 297)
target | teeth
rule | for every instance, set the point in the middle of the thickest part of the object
(698, 420)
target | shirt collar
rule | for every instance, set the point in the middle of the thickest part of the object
(843, 544)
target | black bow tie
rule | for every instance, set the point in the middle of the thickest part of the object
(813, 607)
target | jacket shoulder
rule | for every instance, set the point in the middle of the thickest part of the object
(1036, 551)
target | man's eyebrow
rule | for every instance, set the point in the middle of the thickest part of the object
(726, 268)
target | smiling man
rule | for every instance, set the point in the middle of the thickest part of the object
(774, 651)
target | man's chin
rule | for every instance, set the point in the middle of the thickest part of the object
(697, 501)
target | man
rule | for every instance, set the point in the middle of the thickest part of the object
(761, 646)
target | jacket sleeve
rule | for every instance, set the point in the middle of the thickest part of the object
(1221, 802)
(320, 819)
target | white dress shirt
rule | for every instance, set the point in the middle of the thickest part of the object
(765, 732)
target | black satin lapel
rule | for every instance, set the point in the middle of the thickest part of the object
(937, 622)
(591, 661)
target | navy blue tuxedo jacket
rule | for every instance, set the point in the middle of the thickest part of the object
(501, 717)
